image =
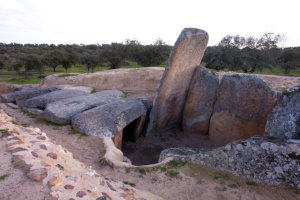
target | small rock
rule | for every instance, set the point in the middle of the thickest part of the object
(59, 167)
(106, 195)
(101, 198)
(34, 154)
(71, 178)
(110, 186)
(54, 181)
(41, 137)
(69, 187)
(43, 147)
(12, 105)
(265, 145)
(18, 149)
(278, 170)
(52, 155)
(14, 142)
(80, 194)
(44, 164)
(239, 147)
(38, 174)
(13, 138)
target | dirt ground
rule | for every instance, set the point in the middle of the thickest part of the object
(186, 181)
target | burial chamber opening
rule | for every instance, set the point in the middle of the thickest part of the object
(146, 150)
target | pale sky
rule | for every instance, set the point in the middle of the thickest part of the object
(107, 21)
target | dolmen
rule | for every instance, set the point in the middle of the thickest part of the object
(104, 114)
(42, 101)
(62, 111)
(19, 97)
(110, 119)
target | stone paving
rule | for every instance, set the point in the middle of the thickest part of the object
(44, 161)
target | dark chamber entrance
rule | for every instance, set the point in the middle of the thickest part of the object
(146, 150)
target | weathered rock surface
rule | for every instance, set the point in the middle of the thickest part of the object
(259, 158)
(109, 119)
(141, 79)
(83, 88)
(61, 112)
(200, 101)
(22, 95)
(284, 120)
(169, 102)
(6, 88)
(42, 100)
(242, 108)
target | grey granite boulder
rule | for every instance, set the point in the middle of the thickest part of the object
(109, 119)
(259, 158)
(61, 112)
(42, 100)
(242, 108)
(169, 102)
(200, 101)
(21, 96)
(284, 120)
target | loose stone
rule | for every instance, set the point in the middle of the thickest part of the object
(34, 154)
(69, 187)
(80, 194)
(52, 155)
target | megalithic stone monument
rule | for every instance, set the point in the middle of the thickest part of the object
(169, 102)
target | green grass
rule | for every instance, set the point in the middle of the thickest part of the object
(34, 78)
(232, 185)
(142, 171)
(251, 183)
(25, 125)
(2, 177)
(221, 176)
(129, 183)
(66, 75)
(3, 132)
(28, 114)
(43, 121)
(73, 132)
(172, 173)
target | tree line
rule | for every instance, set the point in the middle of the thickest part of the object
(252, 54)
(233, 53)
(35, 57)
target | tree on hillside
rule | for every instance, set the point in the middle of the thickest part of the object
(53, 58)
(132, 47)
(113, 54)
(270, 40)
(153, 55)
(2, 65)
(91, 60)
(289, 59)
(69, 59)
(32, 62)
(16, 65)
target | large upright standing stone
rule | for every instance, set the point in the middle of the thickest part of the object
(200, 102)
(242, 108)
(168, 105)
(284, 120)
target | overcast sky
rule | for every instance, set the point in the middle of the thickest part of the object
(107, 21)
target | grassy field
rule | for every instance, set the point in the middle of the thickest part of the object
(34, 78)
